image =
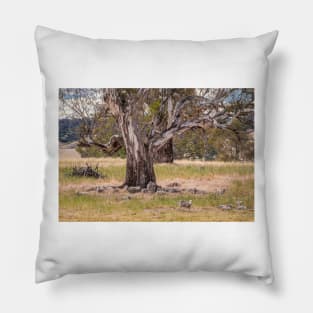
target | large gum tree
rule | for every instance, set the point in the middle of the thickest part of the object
(148, 119)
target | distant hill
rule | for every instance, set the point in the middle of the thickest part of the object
(69, 130)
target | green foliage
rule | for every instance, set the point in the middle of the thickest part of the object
(214, 144)
(154, 107)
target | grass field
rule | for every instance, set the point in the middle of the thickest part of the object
(235, 180)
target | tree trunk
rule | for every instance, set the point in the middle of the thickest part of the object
(165, 154)
(139, 167)
(139, 164)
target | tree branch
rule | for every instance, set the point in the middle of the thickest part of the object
(115, 143)
(162, 138)
(213, 119)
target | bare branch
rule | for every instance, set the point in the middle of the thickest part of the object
(162, 138)
(115, 143)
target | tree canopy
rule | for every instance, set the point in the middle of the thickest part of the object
(147, 120)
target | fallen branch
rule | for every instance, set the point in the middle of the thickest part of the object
(86, 171)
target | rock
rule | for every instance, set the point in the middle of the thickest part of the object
(152, 187)
(172, 190)
(240, 206)
(133, 189)
(225, 206)
(185, 204)
(161, 193)
(193, 190)
(201, 192)
(99, 189)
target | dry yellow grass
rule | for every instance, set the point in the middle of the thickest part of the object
(236, 177)
(66, 159)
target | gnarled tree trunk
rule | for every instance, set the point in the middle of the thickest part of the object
(139, 167)
(139, 164)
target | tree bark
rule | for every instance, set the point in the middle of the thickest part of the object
(139, 167)
(139, 163)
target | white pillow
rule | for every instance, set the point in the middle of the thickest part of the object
(70, 61)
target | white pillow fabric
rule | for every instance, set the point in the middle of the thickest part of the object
(70, 61)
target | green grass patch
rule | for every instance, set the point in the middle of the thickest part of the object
(110, 207)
